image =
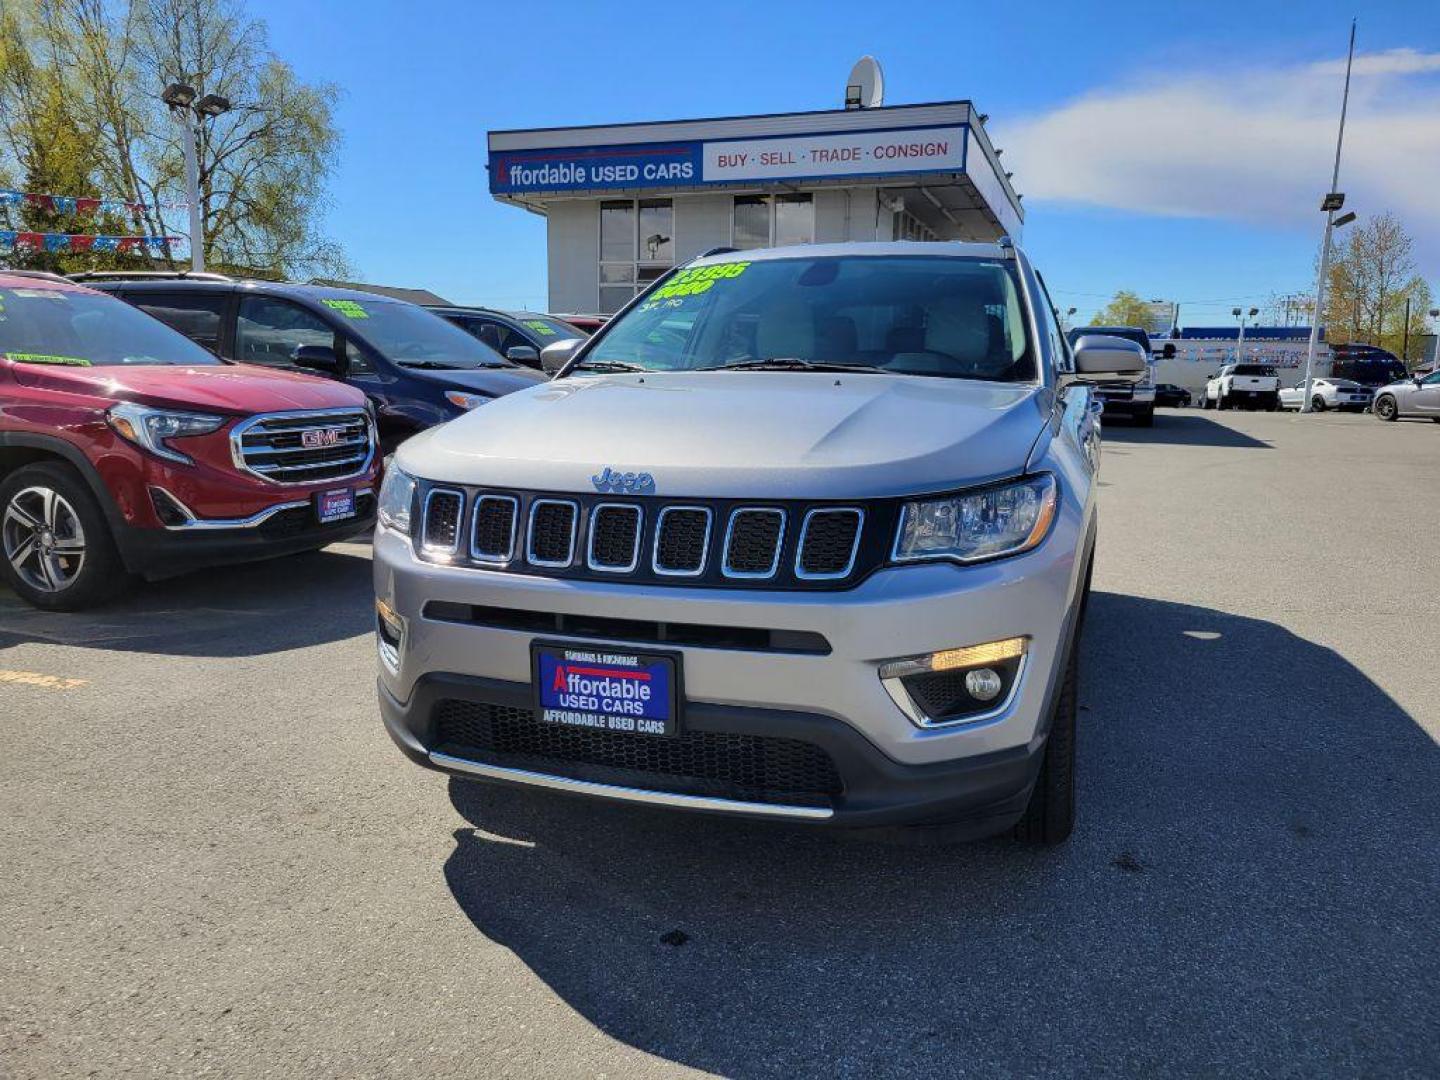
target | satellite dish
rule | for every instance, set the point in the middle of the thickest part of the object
(865, 88)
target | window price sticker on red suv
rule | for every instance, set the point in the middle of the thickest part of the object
(633, 693)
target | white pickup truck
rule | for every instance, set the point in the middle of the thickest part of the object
(1243, 386)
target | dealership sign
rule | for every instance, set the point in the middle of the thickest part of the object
(729, 161)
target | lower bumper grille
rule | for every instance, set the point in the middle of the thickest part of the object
(301, 519)
(749, 768)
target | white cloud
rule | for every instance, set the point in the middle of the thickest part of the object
(1247, 145)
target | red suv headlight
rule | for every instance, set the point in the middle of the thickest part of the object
(151, 429)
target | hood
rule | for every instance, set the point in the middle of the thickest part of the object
(497, 382)
(224, 388)
(741, 435)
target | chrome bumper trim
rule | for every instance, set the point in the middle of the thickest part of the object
(199, 524)
(629, 794)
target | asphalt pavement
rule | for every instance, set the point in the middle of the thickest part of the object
(215, 863)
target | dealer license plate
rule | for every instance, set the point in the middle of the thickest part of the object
(606, 689)
(335, 505)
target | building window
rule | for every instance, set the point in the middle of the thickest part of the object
(773, 221)
(637, 245)
(909, 227)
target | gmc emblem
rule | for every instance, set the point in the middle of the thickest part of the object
(319, 438)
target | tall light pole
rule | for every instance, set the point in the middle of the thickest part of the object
(1240, 343)
(181, 99)
(1333, 201)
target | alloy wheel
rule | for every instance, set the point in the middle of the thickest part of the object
(43, 539)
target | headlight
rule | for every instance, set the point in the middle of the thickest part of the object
(974, 525)
(152, 428)
(397, 493)
(462, 400)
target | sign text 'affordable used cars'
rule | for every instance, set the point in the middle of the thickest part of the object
(693, 163)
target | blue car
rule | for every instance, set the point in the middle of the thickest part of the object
(416, 368)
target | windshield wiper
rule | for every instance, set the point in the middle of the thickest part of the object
(607, 365)
(788, 363)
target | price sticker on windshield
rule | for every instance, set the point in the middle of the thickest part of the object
(44, 358)
(693, 282)
(351, 309)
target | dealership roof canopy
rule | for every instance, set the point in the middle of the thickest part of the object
(939, 150)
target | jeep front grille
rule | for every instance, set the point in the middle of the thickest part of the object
(681, 539)
(752, 543)
(829, 540)
(552, 532)
(614, 537)
(492, 537)
(707, 543)
(441, 528)
(304, 447)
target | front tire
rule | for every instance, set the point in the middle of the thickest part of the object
(1050, 815)
(56, 550)
(1317, 404)
(1386, 409)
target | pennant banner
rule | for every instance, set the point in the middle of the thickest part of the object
(72, 204)
(13, 241)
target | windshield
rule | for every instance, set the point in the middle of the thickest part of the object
(413, 337)
(910, 315)
(75, 329)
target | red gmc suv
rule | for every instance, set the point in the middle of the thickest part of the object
(126, 449)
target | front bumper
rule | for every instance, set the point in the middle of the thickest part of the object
(892, 770)
(285, 528)
(979, 795)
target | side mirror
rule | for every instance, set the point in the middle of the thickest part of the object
(557, 354)
(523, 354)
(1100, 356)
(319, 358)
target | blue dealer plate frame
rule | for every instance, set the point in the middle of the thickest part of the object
(606, 688)
(336, 504)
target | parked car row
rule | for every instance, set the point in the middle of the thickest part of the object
(206, 420)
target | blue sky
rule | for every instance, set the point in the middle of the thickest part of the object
(1174, 149)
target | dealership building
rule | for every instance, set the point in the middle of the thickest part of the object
(625, 202)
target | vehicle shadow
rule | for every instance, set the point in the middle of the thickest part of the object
(1251, 889)
(1182, 428)
(245, 610)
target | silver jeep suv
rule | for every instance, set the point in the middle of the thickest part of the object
(803, 534)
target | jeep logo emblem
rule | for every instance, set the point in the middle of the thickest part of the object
(632, 483)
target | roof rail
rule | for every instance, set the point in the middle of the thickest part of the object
(149, 275)
(717, 251)
(43, 275)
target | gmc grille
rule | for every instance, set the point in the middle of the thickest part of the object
(304, 448)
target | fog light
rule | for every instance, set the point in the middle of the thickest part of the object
(955, 686)
(392, 626)
(983, 684)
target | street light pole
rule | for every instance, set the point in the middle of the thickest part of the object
(1333, 201)
(180, 98)
(192, 187)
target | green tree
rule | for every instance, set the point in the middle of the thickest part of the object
(1372, 275)
(79, 84)
(1124, 309)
